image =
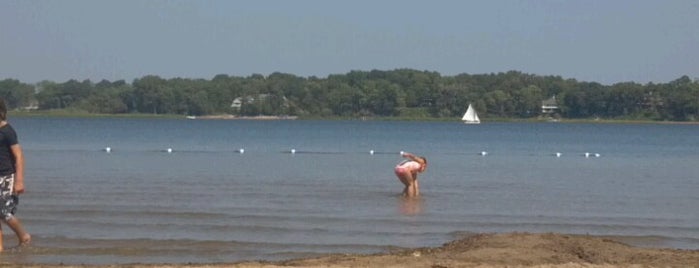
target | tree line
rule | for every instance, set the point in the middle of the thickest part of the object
(401, 92)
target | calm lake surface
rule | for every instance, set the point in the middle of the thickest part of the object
(207, 202)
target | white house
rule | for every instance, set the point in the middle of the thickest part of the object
(549, 106)
(237, 103)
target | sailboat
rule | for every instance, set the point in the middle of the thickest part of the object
(471, 117)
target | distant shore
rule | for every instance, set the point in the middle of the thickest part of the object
(237, 117)
(478, 250)
(83, 114)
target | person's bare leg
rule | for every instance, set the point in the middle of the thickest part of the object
(412, 191)
(410, 186)
(416, 185)
(407, 180)
(22, 236)
(1, 248)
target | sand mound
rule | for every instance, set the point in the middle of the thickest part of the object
(485, 250)
(517, 250)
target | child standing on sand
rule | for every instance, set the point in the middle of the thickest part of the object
(11, 178)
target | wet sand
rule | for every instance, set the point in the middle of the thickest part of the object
(481, 250)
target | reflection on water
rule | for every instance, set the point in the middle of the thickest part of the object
(410, 206)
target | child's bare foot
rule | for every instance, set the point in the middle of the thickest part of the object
(25, 240)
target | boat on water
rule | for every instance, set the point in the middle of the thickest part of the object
(470, 117)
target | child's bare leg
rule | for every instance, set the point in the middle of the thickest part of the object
(1, 249)
(22, 236)
(410, 186)
(416, 187)
(412, 190)
(407, 180)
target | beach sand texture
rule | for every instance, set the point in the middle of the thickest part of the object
(481, 250)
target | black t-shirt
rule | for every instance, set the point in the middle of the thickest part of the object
(8, 137)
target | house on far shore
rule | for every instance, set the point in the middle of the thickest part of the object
(240, 101)
(549, 106)
(237, 103)
(33, 105)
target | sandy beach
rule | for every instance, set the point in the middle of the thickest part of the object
(481, 250)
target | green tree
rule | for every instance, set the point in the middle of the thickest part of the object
(625, 99)
(528, 101)
(150, 93)
(498, 102)
(345, 100)
(15, 93)
(361, 93)
(107, 101)
(682, 99)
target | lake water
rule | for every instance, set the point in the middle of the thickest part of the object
(206, 202)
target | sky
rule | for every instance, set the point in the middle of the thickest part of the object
(605, 41)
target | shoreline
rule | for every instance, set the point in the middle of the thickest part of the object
(477, 250)
(78, 114)
(236, 117)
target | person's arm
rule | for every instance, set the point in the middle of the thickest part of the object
(416, 159)
(413, 157)
(19, 168)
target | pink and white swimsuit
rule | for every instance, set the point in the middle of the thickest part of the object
(407, 166)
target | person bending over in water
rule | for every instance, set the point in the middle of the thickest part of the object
(407, 171)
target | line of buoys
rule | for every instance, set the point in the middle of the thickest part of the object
(371, 152)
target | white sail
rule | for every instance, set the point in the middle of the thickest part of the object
(471, 117)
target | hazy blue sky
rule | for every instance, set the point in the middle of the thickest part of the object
(606, 41)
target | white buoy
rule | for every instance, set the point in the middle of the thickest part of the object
(587, 155)
(169, 150)
(558, 154)
(483, 153)
(108, 149)
(597, 155)
(293, 151)
(402, 153)
(371, 152)
(241, 150)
